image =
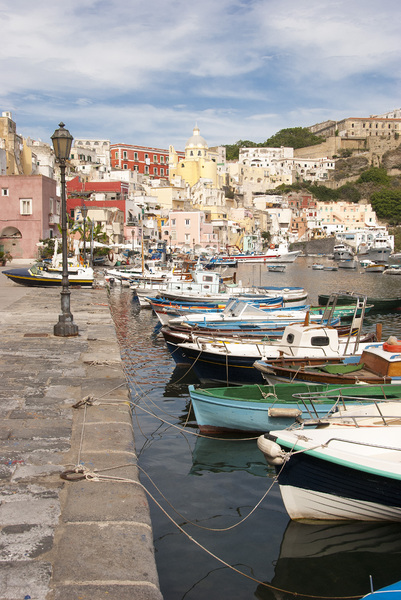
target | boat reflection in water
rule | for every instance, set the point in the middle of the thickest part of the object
(220, 455)
(334, 560)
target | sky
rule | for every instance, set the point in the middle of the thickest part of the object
(147, 72)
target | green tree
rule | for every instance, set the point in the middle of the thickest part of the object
(349, 192)
(232, 150)
(294, 137)
(387, 204)
(375, 175)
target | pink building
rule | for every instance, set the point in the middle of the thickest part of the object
(30, 211)
(189, 229)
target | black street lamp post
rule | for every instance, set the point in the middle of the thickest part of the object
(84, 212)
(62, 141)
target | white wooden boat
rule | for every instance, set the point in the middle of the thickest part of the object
(348, 467)
(375, 268)
(207, 286)
(378, 364)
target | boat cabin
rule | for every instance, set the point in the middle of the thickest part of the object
(203, 282)
(298, 337)
(382, 362)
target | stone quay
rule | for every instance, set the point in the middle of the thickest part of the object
(64, 407)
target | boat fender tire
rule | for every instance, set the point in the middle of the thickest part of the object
(272, 452)
(110, 256)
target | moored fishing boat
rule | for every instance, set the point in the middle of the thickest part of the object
(342, 252)
(176, 334)
(346, 468)
(378, 364)
(375, 268)
(276, 253)
(233, 308)
(378, 304)
(393, 270)
(231, 361)
(348, 263)
(276, 268)
(263, 407)
(43, 275)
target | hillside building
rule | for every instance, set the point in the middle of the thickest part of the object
(20, 159)
(374, 126)
(338, 217)
(30, 211)
(148, 161)
(199, 162)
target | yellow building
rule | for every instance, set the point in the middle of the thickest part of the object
(199, 162)
(19, 156)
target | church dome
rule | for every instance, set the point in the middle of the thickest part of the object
(196, 140)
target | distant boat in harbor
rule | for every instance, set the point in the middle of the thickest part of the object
(42, 275)
(276, 268)
(342, 252)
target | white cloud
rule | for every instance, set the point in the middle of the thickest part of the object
(145, 72)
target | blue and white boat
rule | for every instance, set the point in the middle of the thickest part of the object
(263, 407)
(234, 308)
(232, 361)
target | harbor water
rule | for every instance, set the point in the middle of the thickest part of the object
(220, 527)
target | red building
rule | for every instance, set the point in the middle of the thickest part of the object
(96, 194)
(144, 160)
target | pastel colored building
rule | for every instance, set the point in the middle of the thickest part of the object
(30, 211)
(337, 217)
(145, 160)
(199, 163)
(190, 230)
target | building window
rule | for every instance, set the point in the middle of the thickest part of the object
(116, 154)
(135, 155)
(25, 206)
(136, 168)
(161, 171)
(125, 166)
(146, 170)
(187, 222)
(146, 156)
(155, 158)
(154, 170)
(125, 154)
(4, 192)
(162, 159)
(173, 222)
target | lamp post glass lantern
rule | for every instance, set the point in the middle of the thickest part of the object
(62, 141)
